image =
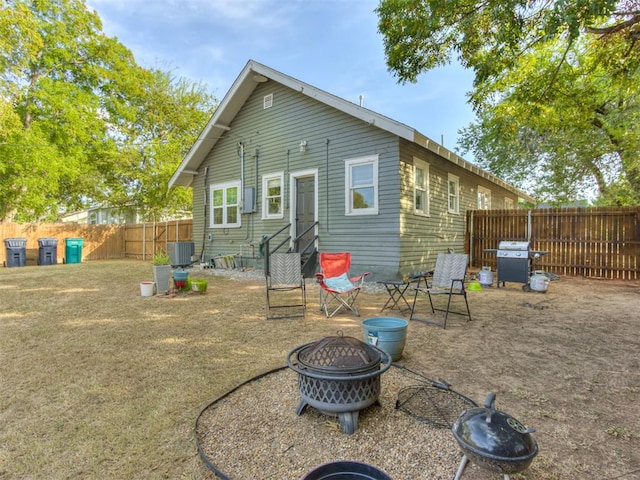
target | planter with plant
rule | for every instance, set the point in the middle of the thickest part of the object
(161, 271)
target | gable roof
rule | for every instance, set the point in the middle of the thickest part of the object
(254, 73)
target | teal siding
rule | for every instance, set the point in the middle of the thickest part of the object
(392, 243)
(271, 137)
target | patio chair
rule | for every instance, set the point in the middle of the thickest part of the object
(338, 290)
(448, 279)
(283, 277)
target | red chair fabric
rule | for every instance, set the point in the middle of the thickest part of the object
(334, 265)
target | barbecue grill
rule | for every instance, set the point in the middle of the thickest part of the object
(515, 262)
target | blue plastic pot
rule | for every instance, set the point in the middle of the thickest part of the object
(387, 333)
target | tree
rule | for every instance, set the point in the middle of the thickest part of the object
(77, 112)
(555, 90)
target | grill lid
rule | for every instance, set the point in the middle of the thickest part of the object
(339, 354)
(509, 245)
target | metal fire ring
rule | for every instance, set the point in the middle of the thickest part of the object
(323, 376)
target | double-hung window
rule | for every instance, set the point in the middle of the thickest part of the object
(484, 198)
(225, 205)
(272, 189)
(361, 186)
(420, 187)
(454, 193)
(508, 203)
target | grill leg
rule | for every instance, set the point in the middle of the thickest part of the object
(463, 464)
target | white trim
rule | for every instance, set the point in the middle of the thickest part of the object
(509, 203)
(293, 176)
(224, 186)
(483, 198)
(451, 178)
(348, 203)
(422, 165)
(265, 203)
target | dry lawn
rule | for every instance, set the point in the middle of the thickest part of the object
(99, 382)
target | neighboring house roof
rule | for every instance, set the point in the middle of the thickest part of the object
(254, 73)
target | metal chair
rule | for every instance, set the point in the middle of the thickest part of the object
(448, 279)
(337, 289)
(284, 276)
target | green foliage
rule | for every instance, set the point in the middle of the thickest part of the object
(81, 123)
(556, 87)
(161, 258)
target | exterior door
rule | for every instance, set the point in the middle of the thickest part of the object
(305, 209)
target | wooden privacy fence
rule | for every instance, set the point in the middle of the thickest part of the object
(100, 242)
(602, 242)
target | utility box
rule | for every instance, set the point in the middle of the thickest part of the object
(181, 253)
(73, 250)
(16, 250)
(47, 251)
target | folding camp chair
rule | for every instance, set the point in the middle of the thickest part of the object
(448, 279)
(337, 289)
(284, 276)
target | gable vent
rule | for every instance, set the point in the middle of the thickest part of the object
(267, 101)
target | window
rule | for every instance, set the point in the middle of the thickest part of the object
(420, 187)
(484, 198)
(454, 194)
(508, 203)
(225, 205)
(272, 196)
(361, 186)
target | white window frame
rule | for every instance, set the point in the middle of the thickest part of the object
(484, 198)
(509, 203)
(422, 190)
(453, 193)
(225, 186)
(265, 196)
(349, 188)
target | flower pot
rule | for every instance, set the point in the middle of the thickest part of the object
(147, 288)
(199, 286)
(161, 275)
(387, 333)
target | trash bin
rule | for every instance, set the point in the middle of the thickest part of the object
(47, 251)
(73, 250)
(16, 252)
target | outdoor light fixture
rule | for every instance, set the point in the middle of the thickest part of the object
(303, 146)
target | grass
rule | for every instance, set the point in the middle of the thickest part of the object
(100, 382)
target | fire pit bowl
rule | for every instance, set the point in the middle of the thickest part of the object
(346, 470)
(338, 376)
(493, 440)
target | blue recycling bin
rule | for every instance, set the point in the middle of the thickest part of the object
(73, 250)
(16, 249)
(47, 251)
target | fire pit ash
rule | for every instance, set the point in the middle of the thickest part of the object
(340, 376)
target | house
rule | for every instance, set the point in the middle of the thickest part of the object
(280, 154)
(102, 215)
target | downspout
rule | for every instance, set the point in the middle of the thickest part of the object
(327, 186)
(204, 222)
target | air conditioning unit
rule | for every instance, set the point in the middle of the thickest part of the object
(181, 253)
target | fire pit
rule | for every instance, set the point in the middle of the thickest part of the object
(338, 376)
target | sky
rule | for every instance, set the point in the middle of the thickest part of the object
(333, 45)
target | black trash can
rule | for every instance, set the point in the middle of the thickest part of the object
(16, 249)
(47, 251)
